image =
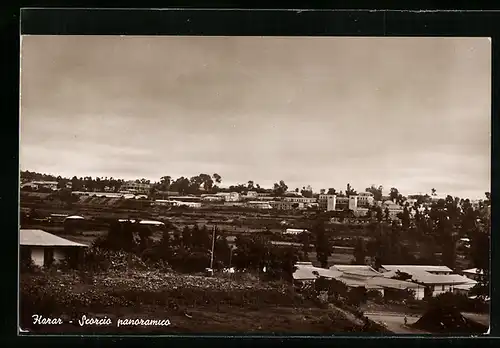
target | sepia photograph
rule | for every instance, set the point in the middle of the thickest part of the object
(256, 185)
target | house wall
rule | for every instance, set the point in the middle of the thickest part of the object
(419, 293)
(37, 255)
(441, 289)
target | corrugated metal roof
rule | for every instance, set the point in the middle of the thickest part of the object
(42, 238)
(473, 271)
(363, 270)
(424, 277)
(354, 282)
(305, 272)
(392, 283)
(405, 268)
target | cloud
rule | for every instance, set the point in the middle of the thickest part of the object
(409, 113)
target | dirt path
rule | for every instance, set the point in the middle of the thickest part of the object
(395, 322)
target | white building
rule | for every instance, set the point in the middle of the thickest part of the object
(295, 231)
(259, 205)
(394, 209)
(229, 196)
(135, 187)
(435, 280)
(36, 185)
(365, 199)
(300, 199)
(212, 198)
(46, 249)
(327, 202)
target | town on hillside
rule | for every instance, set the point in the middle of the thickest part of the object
(254, 185)
(377, 256)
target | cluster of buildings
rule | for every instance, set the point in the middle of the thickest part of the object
(358, 204)
(422, 280)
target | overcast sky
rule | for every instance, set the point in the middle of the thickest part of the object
(411, 113)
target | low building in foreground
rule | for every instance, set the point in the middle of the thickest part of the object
(45, 249)
(435, 280)
(424, 280)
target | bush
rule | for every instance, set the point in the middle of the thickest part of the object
(98, 259)
(459, 302)
(28, 266)
(375, 296)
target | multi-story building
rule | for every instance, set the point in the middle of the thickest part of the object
(327, 202)
(305, 200)
(365, 199)
(230, 196)
(136, 187)
(259, 205)
(35, 185)
(286, 205)
(341, 203)
(394, 209)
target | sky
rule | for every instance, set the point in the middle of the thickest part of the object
(410, 113)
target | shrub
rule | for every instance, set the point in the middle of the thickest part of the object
(28, 266)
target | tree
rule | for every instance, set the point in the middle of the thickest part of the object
(387, 214)
(350, 192)
(433, 191)
(306, 242)
(377, 192)
(222, 251)
(323, 247)
(201, 239)
(379, 214)
(250, 185)
(331, 191)
(360, 251)
(405, 218)
(187, 240)
(395, 196)
(402, 276)
(307, 192)
(322, 191)
(217, 178)
(280, 189)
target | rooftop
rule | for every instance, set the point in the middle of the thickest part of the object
(42, 238)
(473, 271)
(356, 269)
(305, 271)
(405, 268)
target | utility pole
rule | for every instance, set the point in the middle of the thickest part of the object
(213, 247)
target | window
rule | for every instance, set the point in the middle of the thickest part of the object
(442, 288)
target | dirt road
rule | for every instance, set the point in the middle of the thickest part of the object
(395, 322)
